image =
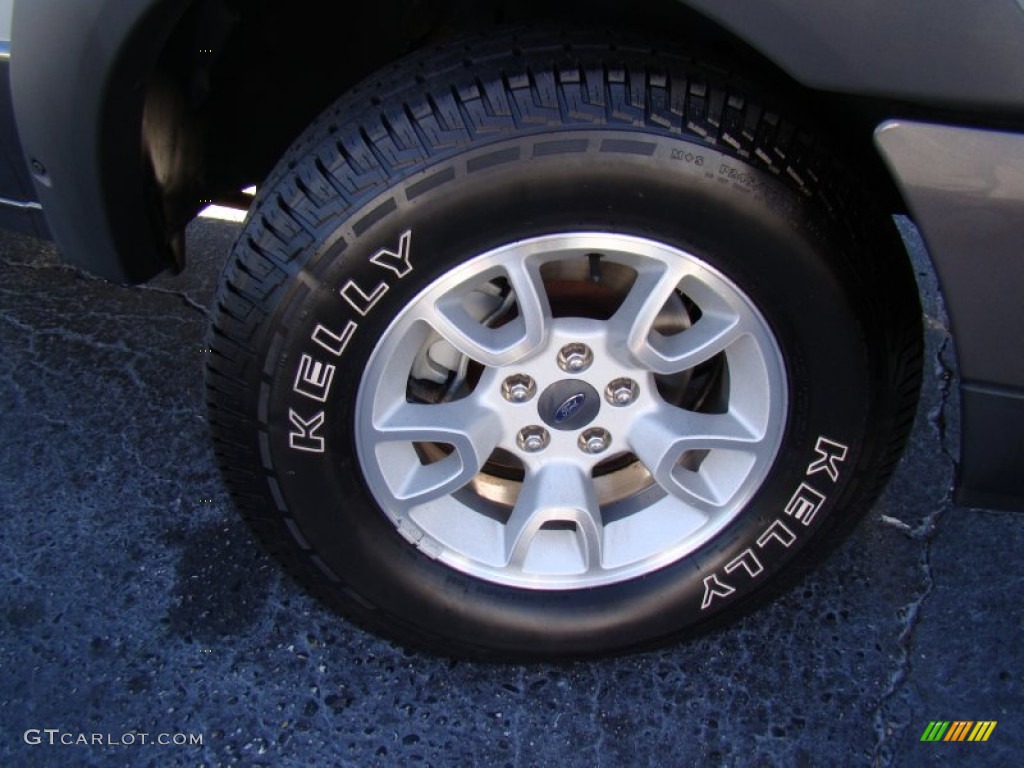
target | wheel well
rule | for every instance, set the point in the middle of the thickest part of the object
(238, 80)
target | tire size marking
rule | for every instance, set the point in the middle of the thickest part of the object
(742, 177)
(803, 506)
(687, 156)
(314, 376)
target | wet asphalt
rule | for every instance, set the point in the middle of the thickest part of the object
(135, 602)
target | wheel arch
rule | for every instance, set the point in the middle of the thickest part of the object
(175, 104)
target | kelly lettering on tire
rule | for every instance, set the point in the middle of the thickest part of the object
(802, 506)
(313, 376)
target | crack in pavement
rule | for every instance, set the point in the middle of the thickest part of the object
(82, 274)
(189, 301)
(925, 533)
(33, 332)
(53, 267)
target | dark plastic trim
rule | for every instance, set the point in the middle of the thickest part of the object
(78, 76)
(965, 190)
(992, 469)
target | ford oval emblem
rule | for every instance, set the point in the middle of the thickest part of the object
(569, 407)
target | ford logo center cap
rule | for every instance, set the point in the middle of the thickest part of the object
(568, 404)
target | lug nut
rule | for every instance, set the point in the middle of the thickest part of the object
(575, 358)
(621, 392)
(532, 439)
(595, 440)
(518, 388)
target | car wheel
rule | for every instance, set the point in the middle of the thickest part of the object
(550, 346)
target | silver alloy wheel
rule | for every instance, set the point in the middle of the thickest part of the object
(520, 443)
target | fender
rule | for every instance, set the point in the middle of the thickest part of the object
(962, 54)
(965, 188)
(78, 74)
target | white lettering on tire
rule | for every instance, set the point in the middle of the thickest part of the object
(803, 506)
(313, 377)
(397, 261)
(306, 439)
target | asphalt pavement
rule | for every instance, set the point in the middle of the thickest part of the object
(135, 602)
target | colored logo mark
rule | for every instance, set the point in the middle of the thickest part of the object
(569, 407)
(959, 730)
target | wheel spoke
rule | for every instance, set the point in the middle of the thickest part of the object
(559, 492)
(634, 320)
(467, 329)
(701, 342)
(471, 430)
(531, 296)
(720, 323)
(662, 438)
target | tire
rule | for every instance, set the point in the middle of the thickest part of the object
(548, 346)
